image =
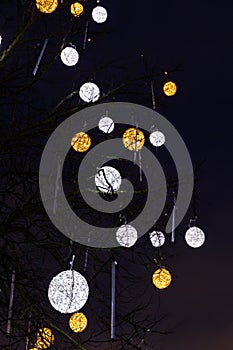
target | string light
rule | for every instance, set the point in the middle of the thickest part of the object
(69, 56)
(133, 139)
(194, 237)
(81, 142)
(76, 9)
(46, 6)
(68, 291)
(89, 92)
(78, 322)
(99, 14)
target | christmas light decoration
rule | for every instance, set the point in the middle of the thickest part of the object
(161, 278)
(68, 291)
(169, 88)
(78, 322)
(81, 142)
(157, 138)
(69, 56)
(133, 139)
(99, 14)
(45, 338)
(76, 9)
(157, 238)
(126, 236)
(106, 125)
(89, 92)
(46, 6)
(108, 179)
(194, 237)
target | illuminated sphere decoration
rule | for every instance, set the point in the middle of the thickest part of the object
(68, 291)
(108, 179)
(161, 278)
(133, 139)
(106, 125)
(170, 88)
(76, 9)
(81, 142)
(157, 138)
(99, 14)
(194, 237)
(69, 56)
(45, 338)
(126, 236)
(46, 6)
(78, 322)
(89, 92)
(157, 238)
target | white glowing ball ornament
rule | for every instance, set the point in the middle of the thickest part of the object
(69, 56)
(68, 291)
(157, 138)
(108, 179)
(106, 125)
(157, 238)
(194, 237)
(126, 236)
(89, 92)
(99, 14)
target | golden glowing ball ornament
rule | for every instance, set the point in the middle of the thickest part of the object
(45, 338)
(78, 322)
(76, 9)
(170, 88)
(161, 278)
(46, 6)
(133, 139)
(81, 142)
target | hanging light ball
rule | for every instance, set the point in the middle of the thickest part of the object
(76, 9)
(99, 14)
(68, 291)
(157, 138)
(81, 142)
(46, 6)
(69, 56)
(106, 125)
(89, 92)
(157, 238)
(194, 237)
(108, 179)
(45, 338)
(133, 139)
(170, 88)
(78, 322)
(161, 278)
(126, 236)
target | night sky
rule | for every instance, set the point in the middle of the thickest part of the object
(193, 43)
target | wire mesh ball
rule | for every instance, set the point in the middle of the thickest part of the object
(46, 6)
(133, 139)
(126, 236)
(78, 322)
(89, 92)
(157, 238)
(157, 138)
(161, 278)
(81, 142)
(99, 14)
(194, 237)
(106, 125)
(108, 179)
(68, 291)
(76, 9)
(170, 88)
(69, 56)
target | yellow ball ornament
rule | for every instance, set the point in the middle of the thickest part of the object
(45, 338)
(161, 278)
(76, 9)
(133, 139)
(81, 142)
(78, 322)
(170, 88)
(46, 6)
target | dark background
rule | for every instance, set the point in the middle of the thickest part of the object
(193, 42)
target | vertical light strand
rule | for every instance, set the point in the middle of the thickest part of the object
(86, 255)
(28, 332)
(40, 56)
(8, 330)
(152, 94)
(113, 299)
(173, 218)
(85, 36)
